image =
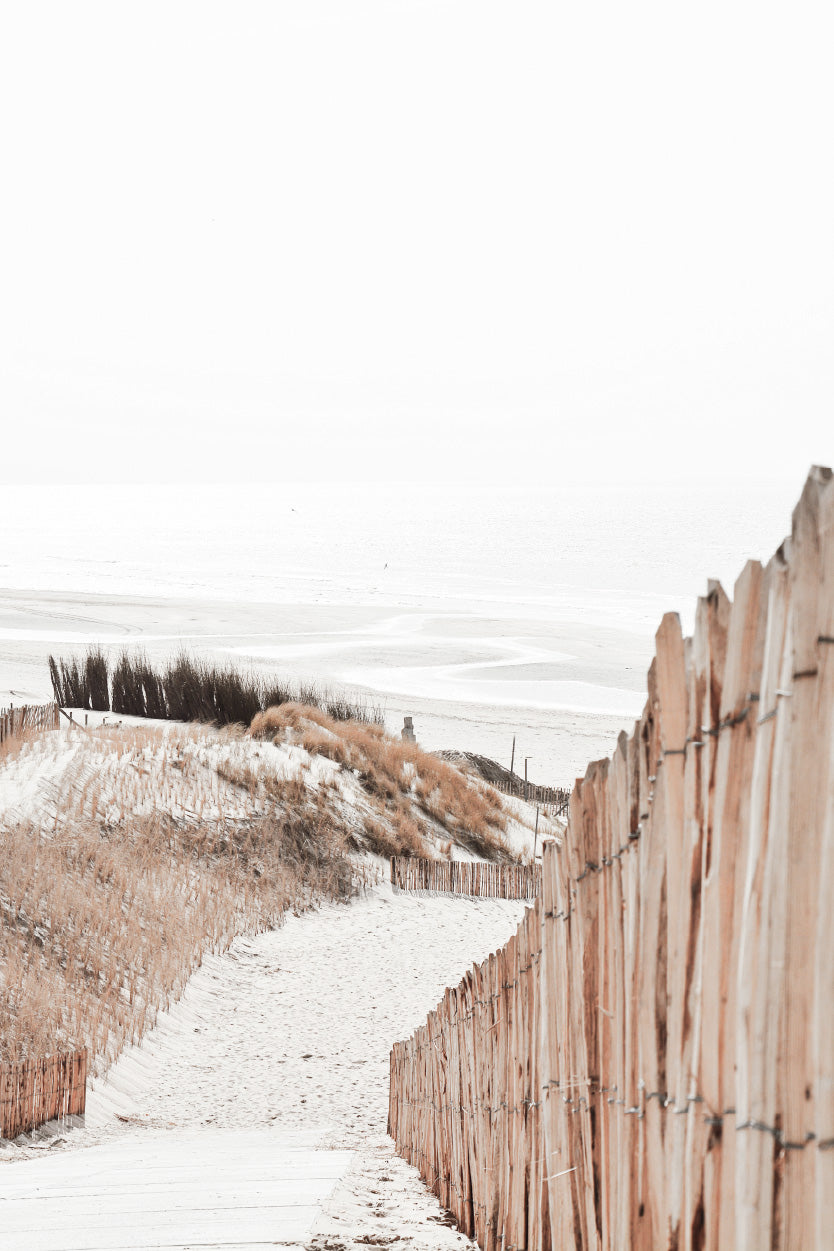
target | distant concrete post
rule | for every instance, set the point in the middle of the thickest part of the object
(408, 731)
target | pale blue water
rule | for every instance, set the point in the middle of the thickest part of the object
(483, 611)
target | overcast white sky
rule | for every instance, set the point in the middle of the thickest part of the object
(415, 238)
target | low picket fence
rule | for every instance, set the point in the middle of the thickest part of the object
(554, 801)
(481, 878)
(16, 721)
(33, 1092)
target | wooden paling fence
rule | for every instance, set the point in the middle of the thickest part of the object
(649, 1062)
(35, 1091)
(467, 877)
(15, 721)
(553, 800)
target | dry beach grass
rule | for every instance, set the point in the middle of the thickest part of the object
(417, 795)
(112, 893)
(127, 852)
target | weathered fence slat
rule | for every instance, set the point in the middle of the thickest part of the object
(482, 878)
(16, 721)
(649, 1062)
(553, 800)
(33, 1092)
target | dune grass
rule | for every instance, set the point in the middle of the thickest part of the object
(134, 850)
(416, 795)
(146, 858)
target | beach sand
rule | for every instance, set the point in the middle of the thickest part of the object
(471, 679)
(275, 1058)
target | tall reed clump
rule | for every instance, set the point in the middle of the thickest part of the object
(81, 683)
(137, 864)
(188, 689)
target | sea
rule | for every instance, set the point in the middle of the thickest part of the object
(511, 620)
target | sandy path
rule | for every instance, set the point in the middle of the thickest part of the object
(289, 1034)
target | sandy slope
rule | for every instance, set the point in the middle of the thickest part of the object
(289, 1034)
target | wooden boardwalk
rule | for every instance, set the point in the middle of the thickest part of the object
(223, 1189)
